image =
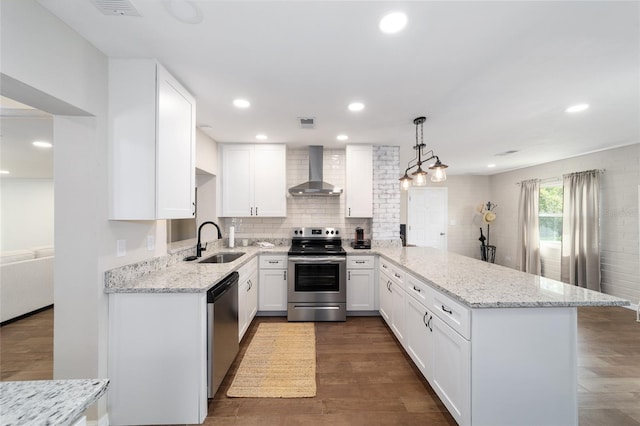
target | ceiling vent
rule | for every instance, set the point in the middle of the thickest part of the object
(116, 7)
(307, 122)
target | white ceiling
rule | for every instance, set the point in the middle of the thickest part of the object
(490, 76)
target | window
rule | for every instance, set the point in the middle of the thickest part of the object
(550, 212)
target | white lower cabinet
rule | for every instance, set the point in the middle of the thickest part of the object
(272, 292)
(451, 369)
(418, 340)
(361, 284)
(384, 296)
(247, 296)
(157, 358)
(360, 290)
(440, 352)
(392, 298)
(443, 357)
(398, 297)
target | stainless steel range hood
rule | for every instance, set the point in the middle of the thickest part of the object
(315, 186)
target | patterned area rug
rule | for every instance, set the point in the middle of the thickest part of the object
(280, 362)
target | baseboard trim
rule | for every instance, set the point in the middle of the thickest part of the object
(28, 314)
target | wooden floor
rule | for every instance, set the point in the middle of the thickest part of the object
(365, 378)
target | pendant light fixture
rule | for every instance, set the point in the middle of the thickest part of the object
(419, 177)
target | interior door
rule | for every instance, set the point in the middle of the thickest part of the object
(427, 217)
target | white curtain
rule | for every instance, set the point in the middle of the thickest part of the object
(528, 253)
(580, 263)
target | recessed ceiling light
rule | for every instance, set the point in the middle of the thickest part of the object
(241, 103)
(342, 137)
(393, 22)
(356, 106)
(42, 144)
(261, 137)
(4, 172)
(491, 166)
(577, 108)
(184, 11)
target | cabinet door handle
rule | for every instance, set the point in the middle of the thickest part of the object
(349, 275)
(360, 261)
(389, 286)
(250, 285)
(193, 211)
(417, 289)
(449, 311)
(285, 275)
(442, 233)
(349, 211)
(384, 266)
(273, 261)
(256, 211)
(251, 211)
(429, 323)
(424, 319)
(396, 275)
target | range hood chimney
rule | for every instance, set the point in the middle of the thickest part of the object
(315, 186)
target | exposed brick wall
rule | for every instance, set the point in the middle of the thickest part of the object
(386, 195)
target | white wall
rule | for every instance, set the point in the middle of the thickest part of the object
(464, 194)
(48, 66)
(26, 213)
(619, 244)
(206, 153)
(206, 181)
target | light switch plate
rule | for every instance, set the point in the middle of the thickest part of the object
(121, 248)
(151, 242)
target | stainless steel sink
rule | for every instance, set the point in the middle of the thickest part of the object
(222, 257)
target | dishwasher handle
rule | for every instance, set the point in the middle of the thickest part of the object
(220, 289)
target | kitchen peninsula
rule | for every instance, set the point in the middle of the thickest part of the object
(497, 345)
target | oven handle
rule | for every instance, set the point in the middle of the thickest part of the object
(318, 308)
(313, 259)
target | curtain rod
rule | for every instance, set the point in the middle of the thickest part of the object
(559, 178)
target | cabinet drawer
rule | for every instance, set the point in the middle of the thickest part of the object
(395, 273)
(360, 262)
(451, 312)
(419, 290)
(246, 269)
(273, 262)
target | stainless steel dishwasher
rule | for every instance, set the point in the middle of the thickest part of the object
(222, 330)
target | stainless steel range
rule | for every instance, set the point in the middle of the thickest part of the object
(317, 288)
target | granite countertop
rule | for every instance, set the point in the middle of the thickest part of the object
(187, 277)
(48, 402)
(479, 284)
(474, 283)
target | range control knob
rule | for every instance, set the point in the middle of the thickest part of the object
(337, 232)
(326, 232)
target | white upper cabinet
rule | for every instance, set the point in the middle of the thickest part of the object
(254, 180)
(359, 181)
(152, 142)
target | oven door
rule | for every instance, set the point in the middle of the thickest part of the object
(317, 279)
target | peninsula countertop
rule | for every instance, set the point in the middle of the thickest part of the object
(474, 283)
(48, 402)
(479, 284)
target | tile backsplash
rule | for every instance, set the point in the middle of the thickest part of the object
(329, 211)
